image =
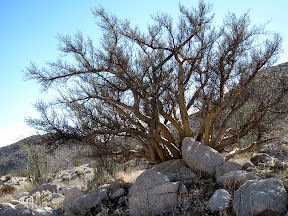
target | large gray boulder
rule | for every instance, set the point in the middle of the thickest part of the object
(219, 201)
(227, 167)
(152, 194)
(260, 197)
(71, 195)
(237, 178)
(200, 158)
(83, 204)
(7, 209)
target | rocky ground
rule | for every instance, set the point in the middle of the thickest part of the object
(198, 184)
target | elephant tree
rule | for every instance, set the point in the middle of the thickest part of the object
(142, 85)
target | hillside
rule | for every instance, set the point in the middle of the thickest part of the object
(13, 158)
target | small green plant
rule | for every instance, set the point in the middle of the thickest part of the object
(7, 189)
(22, 173)
(77, 162)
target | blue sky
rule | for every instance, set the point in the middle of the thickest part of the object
(28, 30)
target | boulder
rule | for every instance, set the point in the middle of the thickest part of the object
(63, 189)
(7, 209)
(261, 158)
(30, 209)
(186, 173)
(200, 158)
(26, 205)
(122, 200)
(22, 196)
(114, 186)
(260, 197)
(170, 166)
(176, 170)
(45, 187)
(219, 201)
(120, 192)
(152, 194)
(83, 204)
(57, 198)
(247, 166)
(148, 180)
(237, 178)
(227, 167)
(46, 211)
(70, 196)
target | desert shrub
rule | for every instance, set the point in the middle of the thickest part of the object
(22, 173)
(7, 189)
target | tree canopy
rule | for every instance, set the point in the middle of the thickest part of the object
(136, 94)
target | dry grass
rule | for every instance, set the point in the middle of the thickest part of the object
(129, 176)
(6, 198)
(243, 158)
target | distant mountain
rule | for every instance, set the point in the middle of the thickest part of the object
(13, 158)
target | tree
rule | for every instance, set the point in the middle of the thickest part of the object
(140, 86)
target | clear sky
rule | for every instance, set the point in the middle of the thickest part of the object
(28, 30)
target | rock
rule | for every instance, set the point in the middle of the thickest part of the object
(152, 194)
(261, 158)
(114, 186)
(22, 196)
(70, 196)
(46, 211)
(120, 192)
(126, 185)
(28, 209)
(26, 205)
(219, 201)
(247, 165)
(122, 200)
(45, 187)
(63, 189)
(173, 177)
(279, 165)
(186, 173)
(200, 158)
(170, 166)
(7, 209)
(260, 197)
(176, 170)
(14, 202)
(237, 178)
(227, 167)
(57, 196)
(82, 204)
(148, 180)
